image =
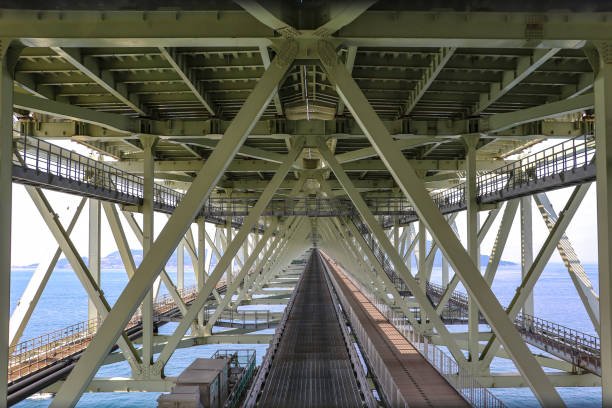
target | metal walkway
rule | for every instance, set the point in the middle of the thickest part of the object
(407, 379)
(417, 372)
(308, 363)
(43, 164)
(575, 347)
(566, 164)
(37, 363)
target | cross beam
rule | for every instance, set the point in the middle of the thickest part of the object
(410, 184)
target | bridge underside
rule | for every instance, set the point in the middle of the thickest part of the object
(361, 128)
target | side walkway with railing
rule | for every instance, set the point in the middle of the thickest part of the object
(565, 164)
(244, 360)
(580, 349)
(459, 378)
(46, 165)
(43, 164)
(32, 355)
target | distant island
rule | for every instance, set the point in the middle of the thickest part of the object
(113, 261)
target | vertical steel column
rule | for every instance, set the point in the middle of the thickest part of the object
(191, 204)
(201, 272)
(412, 186)
(603, 138)
(245, 251)
(445, 275)
(94, 251)
(422, 254)
(444, 272)
(8, 59)
(148, 144)
(180, 266)
(527, 248)
(470, 142)
(396, 232)
(228, 239)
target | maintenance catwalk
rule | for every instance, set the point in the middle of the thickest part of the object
(311, 366)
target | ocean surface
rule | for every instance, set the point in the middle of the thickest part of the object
(64, 303)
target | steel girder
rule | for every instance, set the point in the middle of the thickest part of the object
(174, 230)
(413, 188)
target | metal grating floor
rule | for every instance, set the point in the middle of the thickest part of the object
(311, 367)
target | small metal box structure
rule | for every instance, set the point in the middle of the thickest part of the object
(209, 376)
(216, 382)
(186, 397)
(219, 364)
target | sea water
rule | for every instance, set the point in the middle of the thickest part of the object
(64, 302)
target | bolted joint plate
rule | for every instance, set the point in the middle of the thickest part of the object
(287, 51)
(605, 51)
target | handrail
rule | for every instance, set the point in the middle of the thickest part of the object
(584, 341)
(244, 358)
(42, 156)
(583, 350)
(296, 206)
(39, 157)
(571, 155)
(257, 319)
(365, 344)
(31, 355)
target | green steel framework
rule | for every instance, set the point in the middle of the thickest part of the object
(264, 101)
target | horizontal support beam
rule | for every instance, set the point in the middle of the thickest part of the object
(167, 166)
(512, 380)
(503, 121)
(562, 29)
(119, 384)
(104, 126)
(238, 339)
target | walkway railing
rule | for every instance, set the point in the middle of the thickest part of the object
(461, 379)
(32, 355)
(375, 362)
(577, 348)
(242, 319)
(454, 308)
(43, 164)
(43, 157)
(574, 154)
(258, 382)
(581, 349)
(380, 255)
(244, 359)
(570, 162)
(304, 206)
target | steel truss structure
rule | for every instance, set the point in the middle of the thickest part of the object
(356, 127)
